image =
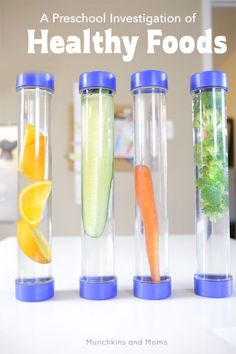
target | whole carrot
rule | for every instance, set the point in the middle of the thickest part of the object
(146, 202)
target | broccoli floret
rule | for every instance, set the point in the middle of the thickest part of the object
(211, 154)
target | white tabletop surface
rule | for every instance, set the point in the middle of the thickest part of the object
(189, 324)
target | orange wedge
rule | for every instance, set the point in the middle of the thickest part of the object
(32, 160)
(33, 243)
(32, 201)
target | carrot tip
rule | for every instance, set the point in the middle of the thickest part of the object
(145, 199)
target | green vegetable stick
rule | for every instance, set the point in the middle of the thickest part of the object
(97, 160)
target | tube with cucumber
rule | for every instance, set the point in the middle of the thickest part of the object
(97, 159)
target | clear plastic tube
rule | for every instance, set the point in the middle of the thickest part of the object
(212, 278)
(97, 108)
(152, 279)
(34, 272)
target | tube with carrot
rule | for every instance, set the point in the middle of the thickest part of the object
(151, 280)
(146, 202)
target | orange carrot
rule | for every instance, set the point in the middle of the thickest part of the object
(146, 202)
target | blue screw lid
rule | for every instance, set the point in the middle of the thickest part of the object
(214, 286)
(145, 289)
(98, 288)
(94, 79)
(35, 79)
(32, 290)
(211, 78)
(149, 78)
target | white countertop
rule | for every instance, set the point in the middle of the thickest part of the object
(190, 324)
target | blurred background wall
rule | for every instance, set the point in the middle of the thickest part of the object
(224, 21)
(19, 15)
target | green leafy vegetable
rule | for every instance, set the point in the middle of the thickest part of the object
(211, 152)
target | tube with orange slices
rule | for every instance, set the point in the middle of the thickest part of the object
(34, 243)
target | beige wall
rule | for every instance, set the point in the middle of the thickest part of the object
(224, 20)
(18, 16)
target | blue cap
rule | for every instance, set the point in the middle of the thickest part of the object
(211, 78)
(94, 79)
(35, 79)
(144, 288)
(149, 78)
(214, 286)
(98, 288)
(34, 290)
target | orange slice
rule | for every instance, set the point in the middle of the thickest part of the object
(32, 160)
(33, 243)
(32, 201)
